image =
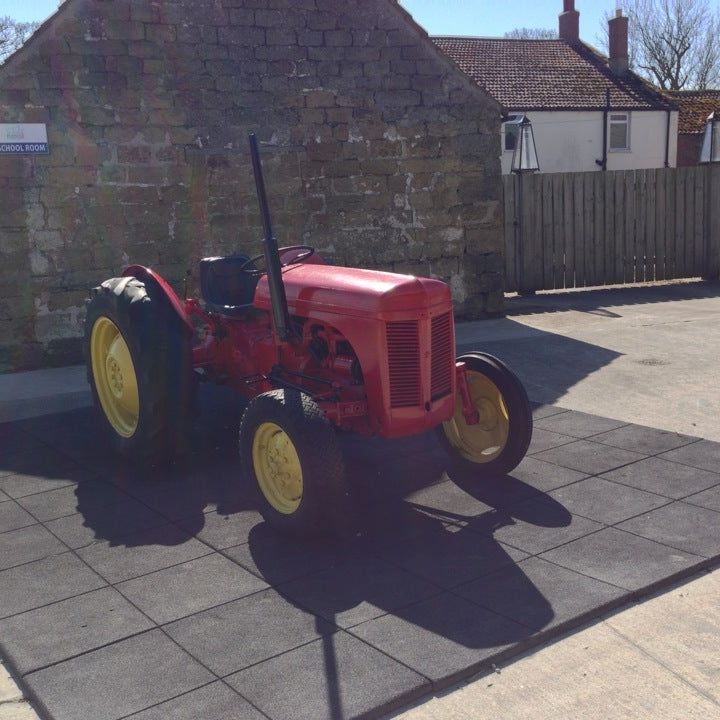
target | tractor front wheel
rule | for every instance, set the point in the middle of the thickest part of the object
(290, 452)
(497, 443)
(139, 369)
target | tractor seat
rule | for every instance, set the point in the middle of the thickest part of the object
(223, 288)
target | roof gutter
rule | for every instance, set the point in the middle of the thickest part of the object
(667, 140)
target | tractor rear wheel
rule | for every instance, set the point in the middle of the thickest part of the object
(290, 451)
(497, 443)
(139, 369)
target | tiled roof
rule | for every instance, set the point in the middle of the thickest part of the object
(547, 74)
(695, 106)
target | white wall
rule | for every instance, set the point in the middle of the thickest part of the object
(570, 141)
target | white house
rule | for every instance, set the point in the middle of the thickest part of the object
(588, 112)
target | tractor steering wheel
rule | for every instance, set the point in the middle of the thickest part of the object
(305, 251)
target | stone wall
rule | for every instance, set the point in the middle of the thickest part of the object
(377, 151)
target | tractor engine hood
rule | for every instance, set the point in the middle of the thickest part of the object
(352, 291)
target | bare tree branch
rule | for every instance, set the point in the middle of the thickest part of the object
(13, 34)
(531, 34)
(673, 43)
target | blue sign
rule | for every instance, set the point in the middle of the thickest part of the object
(24, 149)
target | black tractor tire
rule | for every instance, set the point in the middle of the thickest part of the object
(324, 497)
(159, 346)
(519, 422)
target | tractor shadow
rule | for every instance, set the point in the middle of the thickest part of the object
(414, 540)
(121, 502)
(205, 482)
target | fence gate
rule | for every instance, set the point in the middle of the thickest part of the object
(569, 230)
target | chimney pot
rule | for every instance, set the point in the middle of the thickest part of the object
(618, 45)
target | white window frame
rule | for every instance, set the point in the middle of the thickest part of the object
(619, 118)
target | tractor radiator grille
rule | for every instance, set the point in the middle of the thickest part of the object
(441, 356)
(403, 341)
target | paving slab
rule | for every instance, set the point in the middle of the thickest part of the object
(708, 498)
(450, 556)
(14, 517)
(663, 477)
(443, 637)
(357, 590)
(34, 542)
(45, 581)
(117, 680)
(338, 676)
(647, 440)
(41, 465)
(600, 500)
(704, 455)
(622, 559)
(437, 576)
(541, 595)
(589, 457)
(222, 531)
(212, 702)
(269, 555)
(17, 485)
(547, 439)
(111, 523)
(537, 525)
(544, 476)
(687, 527)
(192, 586)
(56, 632)
(87, 496)
(142, 553)
(577, 424)
(247, 631)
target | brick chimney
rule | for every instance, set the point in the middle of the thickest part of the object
(618, 34)
(569, 29)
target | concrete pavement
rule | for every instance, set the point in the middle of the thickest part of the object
(646, 355)
(13, 706)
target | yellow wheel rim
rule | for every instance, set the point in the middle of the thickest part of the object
(484, 441)
(277, 468)
(114, 375)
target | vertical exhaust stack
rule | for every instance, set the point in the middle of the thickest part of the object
(281, 316)
(569, 22)
(618, 36)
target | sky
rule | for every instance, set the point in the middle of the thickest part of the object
(438, 17)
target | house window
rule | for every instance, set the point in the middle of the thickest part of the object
(619, 131)
(512, 132)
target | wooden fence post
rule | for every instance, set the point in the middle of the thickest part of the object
(712, 256)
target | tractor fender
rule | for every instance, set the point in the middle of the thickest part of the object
(151, 278)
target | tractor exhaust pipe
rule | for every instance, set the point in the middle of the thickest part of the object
(278, 300)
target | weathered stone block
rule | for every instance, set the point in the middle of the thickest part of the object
(159, 33)
(321, 20)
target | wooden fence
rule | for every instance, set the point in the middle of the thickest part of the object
(566, 230)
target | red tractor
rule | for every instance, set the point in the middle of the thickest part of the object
(314, 349)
